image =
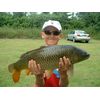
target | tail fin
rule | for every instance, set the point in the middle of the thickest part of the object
(16, 75)
(11, 67)
(27, 71)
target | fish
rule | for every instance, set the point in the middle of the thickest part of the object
(48, 58)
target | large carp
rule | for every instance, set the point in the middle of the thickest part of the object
(48, 58)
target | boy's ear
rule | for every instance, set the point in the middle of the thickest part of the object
(42, 34)
(61, 36)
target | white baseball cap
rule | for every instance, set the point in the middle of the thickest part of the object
(53, 23)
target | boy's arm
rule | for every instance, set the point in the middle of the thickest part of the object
(64, 65)
(39, 80)
(63, 79)
(36, 70)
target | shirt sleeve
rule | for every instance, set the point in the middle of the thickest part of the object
(56, 72)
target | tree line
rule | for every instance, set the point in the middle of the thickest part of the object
(88, 21)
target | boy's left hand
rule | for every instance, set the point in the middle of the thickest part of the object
(64, 64)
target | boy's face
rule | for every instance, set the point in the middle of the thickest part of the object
(51, 36)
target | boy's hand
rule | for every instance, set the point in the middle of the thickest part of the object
(34, 67)
(64, 64)
(36, 70)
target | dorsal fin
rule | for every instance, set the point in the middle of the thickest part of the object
(28, 52)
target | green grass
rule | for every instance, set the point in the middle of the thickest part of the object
(86, 73)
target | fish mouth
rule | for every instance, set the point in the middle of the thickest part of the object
(87, 56)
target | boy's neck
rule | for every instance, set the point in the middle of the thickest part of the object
(50, 45)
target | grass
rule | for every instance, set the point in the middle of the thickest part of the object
(86, 73)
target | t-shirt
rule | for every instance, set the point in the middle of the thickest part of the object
(53, 81)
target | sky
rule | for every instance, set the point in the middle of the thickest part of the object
(50, 5)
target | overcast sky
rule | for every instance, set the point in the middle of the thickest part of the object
(50, 5)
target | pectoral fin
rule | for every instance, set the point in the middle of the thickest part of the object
(16, 75)
(28, 71)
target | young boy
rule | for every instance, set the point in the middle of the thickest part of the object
(51, 33)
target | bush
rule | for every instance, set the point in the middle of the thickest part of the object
(93, 33)
(34, 33)
(6, 32)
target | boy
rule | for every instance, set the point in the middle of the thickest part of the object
(51, 33)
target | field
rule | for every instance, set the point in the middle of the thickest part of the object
(86, 73)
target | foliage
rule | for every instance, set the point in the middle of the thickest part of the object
(6, 32)
(27, 21)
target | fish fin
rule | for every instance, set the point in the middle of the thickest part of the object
(28, 52)
(42, 47)
(24, 54)
(11, 67)
(16, 75)
(28, 71)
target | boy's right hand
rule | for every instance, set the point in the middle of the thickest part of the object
(35, 68)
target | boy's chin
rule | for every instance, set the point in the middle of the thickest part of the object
(52, 44)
